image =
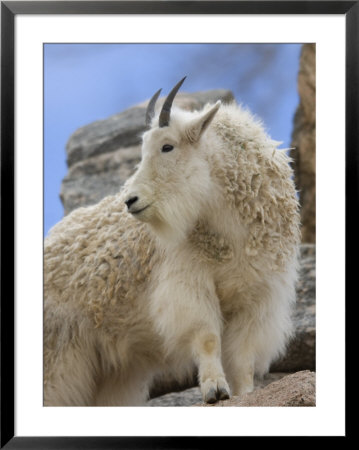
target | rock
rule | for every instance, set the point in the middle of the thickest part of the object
(103, 154)
(301, 351)
(297, 389)
(92, 179)
(105, 136)
(303, 141)
(276, 389)
(187, 397)
(193, 395)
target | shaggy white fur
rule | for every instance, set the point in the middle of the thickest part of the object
(200, 270)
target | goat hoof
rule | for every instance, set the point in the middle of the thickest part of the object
(214, 390)
(211, 396)
(223, 394)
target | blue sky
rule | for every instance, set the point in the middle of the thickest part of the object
(88, 82)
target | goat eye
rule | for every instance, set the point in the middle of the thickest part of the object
(167, 148)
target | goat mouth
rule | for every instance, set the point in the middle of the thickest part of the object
(139, 210)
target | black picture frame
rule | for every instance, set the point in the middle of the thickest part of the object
(9, 9)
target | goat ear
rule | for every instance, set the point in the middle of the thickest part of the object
(195, 128)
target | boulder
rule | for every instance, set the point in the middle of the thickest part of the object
(191, 396)
(275, 389)
(297, 389)
(300, 354)
(89, 181)
(188, 397)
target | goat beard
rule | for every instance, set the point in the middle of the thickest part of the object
(172, 223)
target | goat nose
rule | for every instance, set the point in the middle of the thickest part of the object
(131, 201)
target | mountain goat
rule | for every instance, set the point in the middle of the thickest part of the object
(192, 264)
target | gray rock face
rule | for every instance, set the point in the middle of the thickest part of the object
(103, 154)
(105, 136)
(187, 397)
(301, 351)
(89, 181)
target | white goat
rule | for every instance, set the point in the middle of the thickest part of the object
(192, 263)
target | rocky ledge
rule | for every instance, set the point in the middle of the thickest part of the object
(279, 389)
(297, 389)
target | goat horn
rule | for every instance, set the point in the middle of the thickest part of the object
(164, 119)
(150, 112)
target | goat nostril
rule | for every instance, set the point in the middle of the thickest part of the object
(131, 201)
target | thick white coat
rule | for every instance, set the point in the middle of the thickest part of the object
(203, 276)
